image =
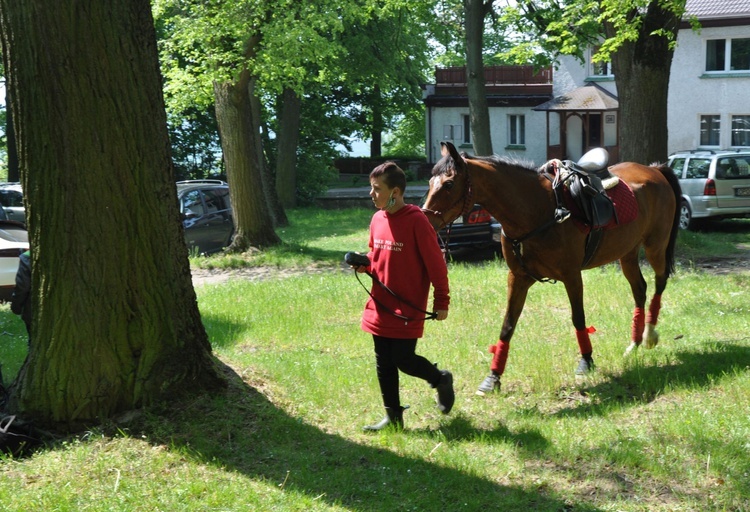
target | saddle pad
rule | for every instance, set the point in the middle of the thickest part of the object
(623, 199)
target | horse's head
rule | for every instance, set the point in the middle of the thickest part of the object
(449, 195)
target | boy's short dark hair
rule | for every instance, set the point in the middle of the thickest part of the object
(392, 174)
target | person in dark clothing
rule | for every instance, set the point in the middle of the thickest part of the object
(20, 302)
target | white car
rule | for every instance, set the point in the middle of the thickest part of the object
(14, 241)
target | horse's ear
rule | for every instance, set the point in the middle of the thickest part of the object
(447, 148)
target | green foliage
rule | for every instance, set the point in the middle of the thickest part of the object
(196, 151)
(407, 138)
(550, 28)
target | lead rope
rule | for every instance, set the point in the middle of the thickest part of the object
(428, 315)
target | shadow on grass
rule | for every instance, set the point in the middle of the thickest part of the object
(642, 384)
(241, 430)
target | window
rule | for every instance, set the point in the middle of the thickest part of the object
(710, 130)
(740, 130)
(516, 130)
(698, 168)
(192, 204)
(600, 68)
(467, 129)
(677, 165)
(452, 132)
(728, 54)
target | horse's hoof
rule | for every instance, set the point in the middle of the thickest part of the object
(650, 336)
(585, 366)
(488, 385)
(633, 347)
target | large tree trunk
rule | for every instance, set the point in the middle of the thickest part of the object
(10, 140)
(286, 158)
(116, 324)
(252, 220)
(268, 178)
(641, 71)
(378, 125)
(479, 114)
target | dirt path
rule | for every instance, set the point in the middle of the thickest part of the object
(717, 266)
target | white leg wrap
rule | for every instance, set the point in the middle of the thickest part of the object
(632, 348)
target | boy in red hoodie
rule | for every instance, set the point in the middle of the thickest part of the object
(406, 258)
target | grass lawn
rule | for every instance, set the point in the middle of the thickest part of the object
(665, 430)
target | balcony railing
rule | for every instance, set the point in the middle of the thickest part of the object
(496, 75)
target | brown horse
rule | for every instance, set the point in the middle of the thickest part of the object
(540, 245)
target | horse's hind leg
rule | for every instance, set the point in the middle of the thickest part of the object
(650, 336)
(632, 272)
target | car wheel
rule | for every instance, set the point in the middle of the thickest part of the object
(686, 216)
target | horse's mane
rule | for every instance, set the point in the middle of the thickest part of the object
(495, 160)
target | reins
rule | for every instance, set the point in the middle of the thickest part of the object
(561, 215)
(429, 315)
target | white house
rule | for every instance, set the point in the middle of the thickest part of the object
(709, 86)
(564, 113)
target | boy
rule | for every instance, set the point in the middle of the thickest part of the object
(406, 258)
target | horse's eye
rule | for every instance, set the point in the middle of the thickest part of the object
(448, 185)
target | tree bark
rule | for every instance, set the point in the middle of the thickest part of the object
(239, 142)
(479, 114)
(642, 69)
(288, 140)
(115, 322)
(268, 177)
(376, 106)
(10, 140)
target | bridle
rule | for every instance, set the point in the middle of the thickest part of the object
(468, 200)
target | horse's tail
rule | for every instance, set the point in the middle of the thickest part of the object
(671, 177)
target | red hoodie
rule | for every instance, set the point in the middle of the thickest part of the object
(405, 256)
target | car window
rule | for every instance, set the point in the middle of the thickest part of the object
(698, 168)
(677, 165)
(11, 198)
(215, 199)
(192, 204)
(732, 168)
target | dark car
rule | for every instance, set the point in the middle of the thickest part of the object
(206, 215)
(475, 230)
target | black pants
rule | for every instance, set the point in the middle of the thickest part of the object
(394, 354)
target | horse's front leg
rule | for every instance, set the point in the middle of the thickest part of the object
(518, 288)
(574, 288)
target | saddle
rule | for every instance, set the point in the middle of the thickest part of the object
(587, 185)
(583, 186)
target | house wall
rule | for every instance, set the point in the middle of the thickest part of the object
(692, 93)
(535, 149)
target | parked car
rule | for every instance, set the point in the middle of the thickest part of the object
(11, 200)
(475, 230)
(14, 240)
(206, 214)
(715, 185)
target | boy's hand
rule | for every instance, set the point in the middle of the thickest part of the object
(442, 314)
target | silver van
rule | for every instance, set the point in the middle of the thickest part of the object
(715, 185)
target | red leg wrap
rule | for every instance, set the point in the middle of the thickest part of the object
(653, 310)
(636, 333)
(584, 343)
(500, 358)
